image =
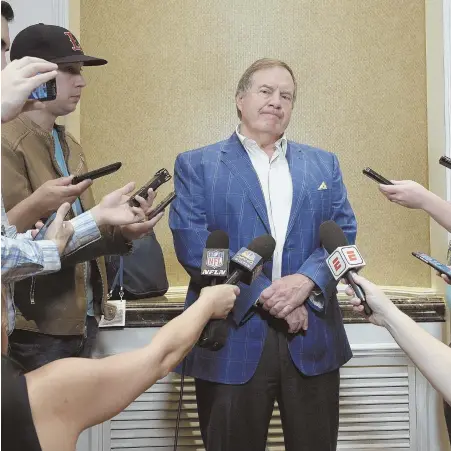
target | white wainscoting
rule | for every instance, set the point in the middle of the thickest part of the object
(385, 402)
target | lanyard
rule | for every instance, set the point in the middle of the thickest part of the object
(118, 277)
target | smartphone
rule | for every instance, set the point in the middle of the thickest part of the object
(163, 204)
(162, 176)
(376, 177)
(97, 173)
(445, 161)
(40, 235)
(440, 267)
(44, 92)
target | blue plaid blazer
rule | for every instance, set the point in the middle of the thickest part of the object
(218, 189)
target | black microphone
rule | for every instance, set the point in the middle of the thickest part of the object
(215, 259)
(247, 264)
(344, 259)
(215, 264)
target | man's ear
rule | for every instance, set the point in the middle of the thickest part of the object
(239, 101)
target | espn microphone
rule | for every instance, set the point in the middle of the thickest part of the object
(344, 259)
(215, 264)
(247, 264)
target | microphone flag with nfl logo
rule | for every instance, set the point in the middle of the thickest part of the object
(215, 262)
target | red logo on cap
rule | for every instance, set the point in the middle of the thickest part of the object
(75, 44)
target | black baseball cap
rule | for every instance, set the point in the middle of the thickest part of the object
(52, 43)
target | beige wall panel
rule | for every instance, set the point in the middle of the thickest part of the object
(172, 73)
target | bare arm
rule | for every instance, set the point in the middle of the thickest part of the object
(413, 195)
(431, 356)
(439, 210)
(70, 395)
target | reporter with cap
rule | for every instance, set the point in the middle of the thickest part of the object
(57, 313)
(22, 257)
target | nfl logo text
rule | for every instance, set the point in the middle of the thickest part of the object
(215, 259)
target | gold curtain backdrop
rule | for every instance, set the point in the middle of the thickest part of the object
(172, 73)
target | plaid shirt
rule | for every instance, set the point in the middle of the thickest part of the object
(22, 257)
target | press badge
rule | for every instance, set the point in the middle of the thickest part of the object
(119, 317)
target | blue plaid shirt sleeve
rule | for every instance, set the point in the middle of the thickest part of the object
(85, 232)
(22, 258)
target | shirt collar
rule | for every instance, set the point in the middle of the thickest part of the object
(281, 143)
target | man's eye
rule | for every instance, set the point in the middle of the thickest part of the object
(73, 70)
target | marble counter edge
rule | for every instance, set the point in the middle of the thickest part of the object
(155, 312)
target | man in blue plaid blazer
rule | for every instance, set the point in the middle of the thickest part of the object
(290, 350)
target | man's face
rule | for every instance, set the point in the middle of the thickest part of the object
(5, 41)
(267, 106)
(69, 83)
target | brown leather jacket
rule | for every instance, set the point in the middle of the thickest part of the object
(54, 304)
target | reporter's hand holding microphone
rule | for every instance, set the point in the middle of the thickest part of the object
(245, 266)
(219, 299)
(431, 356)
(343, 262)
(382, 307)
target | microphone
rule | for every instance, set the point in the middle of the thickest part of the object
(215, 266)
(215, 259)
(247, 264)
(344, 259)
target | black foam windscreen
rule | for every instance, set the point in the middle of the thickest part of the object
(217, 239)
(264, 246)
(332, 236)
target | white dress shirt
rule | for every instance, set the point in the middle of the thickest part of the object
(277, 187)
